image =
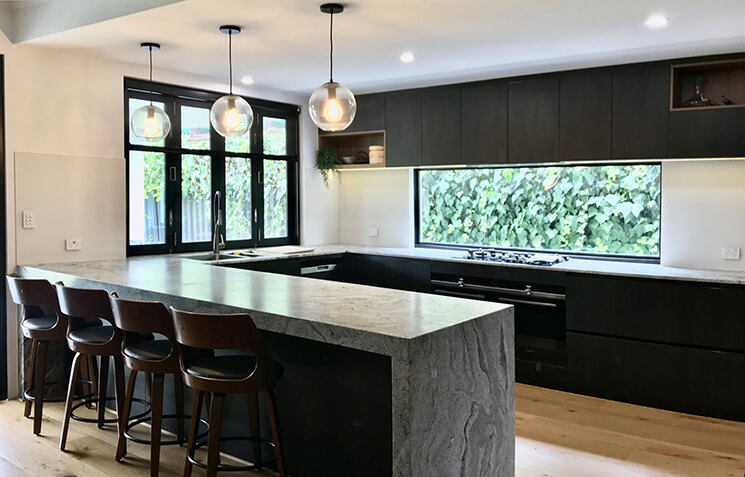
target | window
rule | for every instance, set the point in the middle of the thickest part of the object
(608, 209)
(172, 183)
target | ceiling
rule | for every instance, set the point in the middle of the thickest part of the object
(285, 43)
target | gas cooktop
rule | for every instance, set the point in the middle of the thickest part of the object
(503, 256)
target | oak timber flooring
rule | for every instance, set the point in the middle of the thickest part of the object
(558, 434)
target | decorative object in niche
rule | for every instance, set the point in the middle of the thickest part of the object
(326, 162)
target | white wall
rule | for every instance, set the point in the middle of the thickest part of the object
(378, 198)
(703, 210)
(65, 110)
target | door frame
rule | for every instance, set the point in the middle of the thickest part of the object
(3, 242)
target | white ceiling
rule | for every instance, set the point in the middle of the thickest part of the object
(285, 43)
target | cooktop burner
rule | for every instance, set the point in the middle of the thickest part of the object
(504, 256)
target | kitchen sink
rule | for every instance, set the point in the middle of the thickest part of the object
(207, 257)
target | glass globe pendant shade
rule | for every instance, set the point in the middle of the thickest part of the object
(150, 123)
(231, 116)
(332, 106)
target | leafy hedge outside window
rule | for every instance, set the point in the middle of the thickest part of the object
(591, 209)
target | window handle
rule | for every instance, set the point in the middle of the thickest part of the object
(256, 215)
(172, 173)
(170, 217)
(261, 177)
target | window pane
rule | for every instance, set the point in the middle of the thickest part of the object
(238, 198)
(135, 104)
(600, 209)
(238, 144)
(275, 136)
(196, 195)
(195, 128)
(275, 198)
(147, 204)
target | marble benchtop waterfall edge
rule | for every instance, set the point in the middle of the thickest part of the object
(574, 265)
(394, 313)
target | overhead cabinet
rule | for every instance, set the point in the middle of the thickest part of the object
(441, 109)
(533, 120)
(403, 126)
(483, 123)
(585, 115)
(370, 113)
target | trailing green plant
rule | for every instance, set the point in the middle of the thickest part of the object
(326, 162)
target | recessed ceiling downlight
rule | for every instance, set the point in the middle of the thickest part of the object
(406, 57)
(247, 80)
(657, 21)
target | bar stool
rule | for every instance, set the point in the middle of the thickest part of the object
(246, 374)
(42, 323)
(155, 358)
(100, 341)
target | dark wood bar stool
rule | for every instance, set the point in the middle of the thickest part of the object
(100, 341)
(155, 358)
(42, 322)
(249, 373)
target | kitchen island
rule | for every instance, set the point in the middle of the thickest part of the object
(449, 361)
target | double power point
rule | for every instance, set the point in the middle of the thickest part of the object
(731, 253)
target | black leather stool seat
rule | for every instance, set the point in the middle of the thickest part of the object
(223, 367)
(154, 350)
(92, 334)
(40, 322)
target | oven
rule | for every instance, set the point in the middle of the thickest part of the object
(540, 312)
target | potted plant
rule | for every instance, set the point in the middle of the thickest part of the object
(326, 162)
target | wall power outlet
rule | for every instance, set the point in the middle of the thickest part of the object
(731, 253)
(72, 245)
(372, 232)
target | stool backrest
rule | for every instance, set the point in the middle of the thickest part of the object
(142, 317)
(85, 304)
(28, 292)
(215, 332)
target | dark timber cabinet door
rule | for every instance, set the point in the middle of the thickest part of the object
(370, 113)
(707, 133)
(441, 125)
(641, 103)
(483, 123)
(585, 115)
(403, 128)
(533, 120)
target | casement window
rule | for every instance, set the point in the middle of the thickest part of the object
(610, 210)
(171, 184)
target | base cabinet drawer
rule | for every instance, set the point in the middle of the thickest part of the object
(691, 380)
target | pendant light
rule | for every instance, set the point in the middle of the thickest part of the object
(150, 122)
(332, 106)
(231, 115)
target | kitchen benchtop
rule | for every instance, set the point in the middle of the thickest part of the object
(576, 265)
(395, 313)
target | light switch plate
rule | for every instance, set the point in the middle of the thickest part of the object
(731, 253)
(372, 232)
(72, 245)
(29, 221)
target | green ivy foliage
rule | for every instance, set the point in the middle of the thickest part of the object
(597, 209)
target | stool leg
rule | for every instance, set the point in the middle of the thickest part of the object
(103, 384)
(90, 363)
(178, 391)
(156, 404)
(213, 445)
(253, 416)
(119, 386)
(39, 374)
(193, 429)
(31, 378)
(121, 446)
(271, 402)
(68, 403)
(149, 386)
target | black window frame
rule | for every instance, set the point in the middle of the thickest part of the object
(578, 254)
(173, 97)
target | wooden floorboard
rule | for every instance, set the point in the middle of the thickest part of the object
(558, 434)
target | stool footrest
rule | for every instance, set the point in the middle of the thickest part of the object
(137, 421)
(231, 468)
(102, 401)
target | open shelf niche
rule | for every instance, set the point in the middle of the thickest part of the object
(717, 81)
(351, 144)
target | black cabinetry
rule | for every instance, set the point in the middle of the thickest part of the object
(707, 133)
(641, 96)
(483, 123)
(370, 113)
(585, 115)
(403, 128)
(533, 120)
(441, 125)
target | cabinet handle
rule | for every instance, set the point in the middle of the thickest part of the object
(528, 302)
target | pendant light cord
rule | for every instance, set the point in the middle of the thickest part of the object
(230, 58)
(150, 49)
(331, 50)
